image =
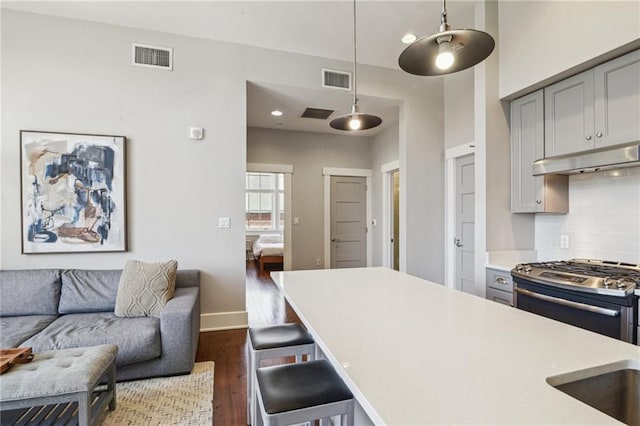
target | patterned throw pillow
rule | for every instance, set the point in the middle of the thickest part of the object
(145, 288)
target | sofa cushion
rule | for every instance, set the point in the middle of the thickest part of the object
(15, 330)
(29, 292)
(138, 339)
(145, 288)
(88, 290)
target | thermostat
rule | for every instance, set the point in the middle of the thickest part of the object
(196, 133)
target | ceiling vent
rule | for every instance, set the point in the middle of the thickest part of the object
(317, 113)
(332, 79)
(143, 55)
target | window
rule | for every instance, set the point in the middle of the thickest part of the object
(264, 201)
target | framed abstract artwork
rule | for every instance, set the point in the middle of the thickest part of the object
(73, 190)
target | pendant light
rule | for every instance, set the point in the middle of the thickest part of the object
(355, 120)
(447, 51)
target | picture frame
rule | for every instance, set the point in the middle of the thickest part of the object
(73, 192)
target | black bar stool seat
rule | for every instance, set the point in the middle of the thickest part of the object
(277, 336)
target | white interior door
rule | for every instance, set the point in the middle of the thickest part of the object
(348, 222)
(465, 224)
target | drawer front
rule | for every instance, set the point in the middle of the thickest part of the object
(500, 296)
(499, 280)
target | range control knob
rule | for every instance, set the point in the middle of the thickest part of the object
(623, 284)
(519, 267)
(527, 269)
(608, 281)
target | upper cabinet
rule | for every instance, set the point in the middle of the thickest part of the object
(568, 116)
(596, 108)
(617, 100)
(532, 194)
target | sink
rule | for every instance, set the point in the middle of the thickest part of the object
(613, 389)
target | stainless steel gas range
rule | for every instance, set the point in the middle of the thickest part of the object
(592, 294)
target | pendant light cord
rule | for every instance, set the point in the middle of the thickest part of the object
(444, 25)
(355, 79)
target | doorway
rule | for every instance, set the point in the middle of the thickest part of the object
(391, 215)
(395, 222)
(279, 209)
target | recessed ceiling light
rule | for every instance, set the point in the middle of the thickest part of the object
(276, 113)
(409, 38)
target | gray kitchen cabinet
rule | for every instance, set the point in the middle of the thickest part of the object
(593, 109)
(499, 286)
(532, 194)
(568, 116)
(617, 100)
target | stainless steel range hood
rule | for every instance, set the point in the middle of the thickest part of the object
(614, 157)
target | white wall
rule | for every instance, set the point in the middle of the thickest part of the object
(308, 153)
(458, 108)
(74, 76)
(539, 39)
(54, 78)
(384, 150)
(603, 220)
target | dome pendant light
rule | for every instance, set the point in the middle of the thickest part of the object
(355, 120)
(446, 52)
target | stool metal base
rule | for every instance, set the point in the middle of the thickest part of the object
(344, 409)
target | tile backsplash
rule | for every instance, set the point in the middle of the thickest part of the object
(603, 220)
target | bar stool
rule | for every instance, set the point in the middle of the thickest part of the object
(270, 342)
(296, 393)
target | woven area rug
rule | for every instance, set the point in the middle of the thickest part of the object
(179, 400)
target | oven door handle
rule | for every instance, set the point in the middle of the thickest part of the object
(569, 303)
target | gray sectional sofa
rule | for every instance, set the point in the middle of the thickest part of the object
(57, 309)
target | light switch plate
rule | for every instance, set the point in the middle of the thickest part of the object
(224, 222)
(564, 241)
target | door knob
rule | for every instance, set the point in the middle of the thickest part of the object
(457, 242)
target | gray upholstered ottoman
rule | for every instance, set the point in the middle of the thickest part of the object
(60, 377)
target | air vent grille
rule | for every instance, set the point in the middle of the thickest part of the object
(317, 113)
(333, 79)
(144, 55)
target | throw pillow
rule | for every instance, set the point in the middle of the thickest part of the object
(145, 288)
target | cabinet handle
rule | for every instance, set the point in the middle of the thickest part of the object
(539, 201)
(588, 138)
(599, 134)
(502, 281)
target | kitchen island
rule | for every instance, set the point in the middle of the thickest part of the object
(414, 352)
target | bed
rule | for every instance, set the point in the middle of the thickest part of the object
(268, 248)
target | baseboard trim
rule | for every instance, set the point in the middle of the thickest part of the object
(224, 321)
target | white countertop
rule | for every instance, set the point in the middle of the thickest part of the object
(415, 352)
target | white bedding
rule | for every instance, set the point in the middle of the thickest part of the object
(268, 246)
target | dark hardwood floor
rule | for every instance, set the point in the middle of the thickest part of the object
(265, 305)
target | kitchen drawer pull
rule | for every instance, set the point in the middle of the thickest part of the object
(569, 303)
(501, 280)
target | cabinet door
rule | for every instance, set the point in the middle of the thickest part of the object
(527, 145)
(617, 100)
(500, 296)
(568, 112)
